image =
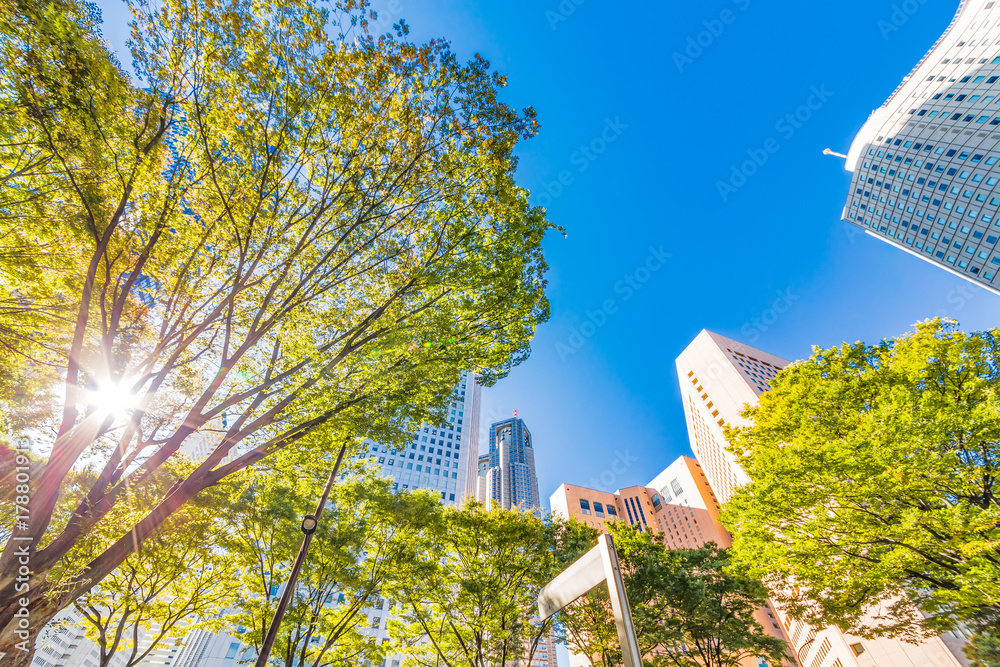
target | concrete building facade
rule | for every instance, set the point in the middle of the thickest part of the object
(926, 164)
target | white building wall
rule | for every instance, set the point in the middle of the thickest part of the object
(442, 457)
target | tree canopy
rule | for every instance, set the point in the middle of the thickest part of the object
(474, 600)
(369, 539)
(291, 232)
(874, 473)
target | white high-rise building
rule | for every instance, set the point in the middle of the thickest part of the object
(926, 164)
(718, 377)
(442, 457)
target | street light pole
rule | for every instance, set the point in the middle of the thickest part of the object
(309, 524)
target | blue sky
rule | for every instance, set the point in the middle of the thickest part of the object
(641, 137)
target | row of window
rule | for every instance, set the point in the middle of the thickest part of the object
(599, 509)
(972, 214)
(939, 254)
(968, 118)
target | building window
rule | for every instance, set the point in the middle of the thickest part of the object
(585, 506)
(857, 648)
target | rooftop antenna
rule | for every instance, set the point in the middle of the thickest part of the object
(830, 151)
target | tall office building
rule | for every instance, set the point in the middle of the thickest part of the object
(678, 505)
(925, 166)
(441, 457)
(510, 479)
(507, 480)
(718, 377)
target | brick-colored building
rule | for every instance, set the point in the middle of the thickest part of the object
(678, 505)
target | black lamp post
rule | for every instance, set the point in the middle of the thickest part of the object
(309, 524)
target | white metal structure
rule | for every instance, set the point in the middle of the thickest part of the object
(596, 567)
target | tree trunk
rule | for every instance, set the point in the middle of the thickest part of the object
(40, 613)
(42, 607)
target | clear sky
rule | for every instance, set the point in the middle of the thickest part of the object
(641, 137)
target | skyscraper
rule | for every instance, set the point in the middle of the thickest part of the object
(510, 479)
(925, 164)
(718, 377)
(440, 457)
(507, 480)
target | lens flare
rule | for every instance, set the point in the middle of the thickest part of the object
(112, 399)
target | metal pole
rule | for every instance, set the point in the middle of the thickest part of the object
(597, 566)
(619, 605)
(286, 595)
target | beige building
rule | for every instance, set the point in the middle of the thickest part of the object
(718, 377)
(677, 504)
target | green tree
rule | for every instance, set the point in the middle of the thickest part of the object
(474, 601)
(368, 539)
(688, 607)
(874, 473)
(295, 229)
(175, 582)
(984, 649)
(49, 58)
(588, 628)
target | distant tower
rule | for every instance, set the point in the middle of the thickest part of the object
(511, 480)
